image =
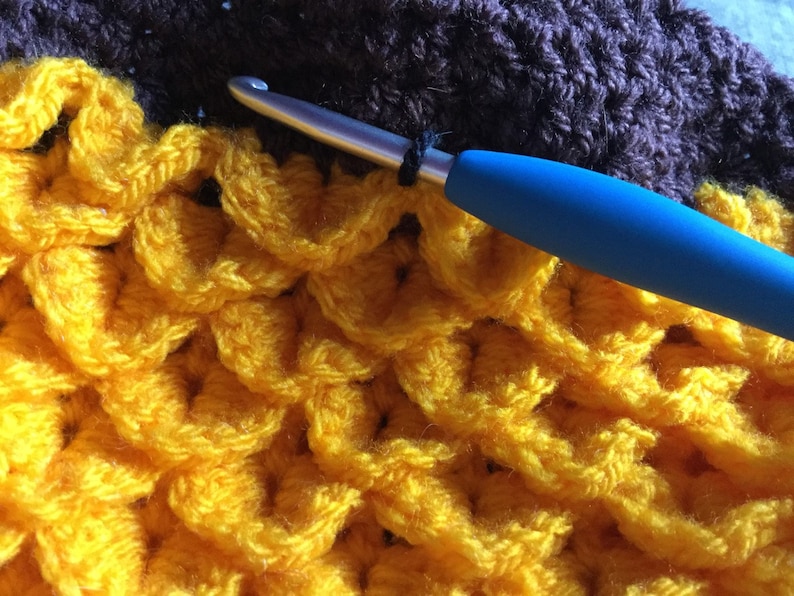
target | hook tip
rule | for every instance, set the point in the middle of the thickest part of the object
(247, 84)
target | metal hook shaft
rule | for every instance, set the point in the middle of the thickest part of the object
(336, 130)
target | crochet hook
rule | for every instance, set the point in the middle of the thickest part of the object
(598, 222)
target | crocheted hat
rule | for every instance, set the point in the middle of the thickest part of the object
(227, 368)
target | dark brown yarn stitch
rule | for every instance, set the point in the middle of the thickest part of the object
(412, 162)
(646, 90)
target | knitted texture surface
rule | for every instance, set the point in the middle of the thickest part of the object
(218, 375)
(646, 90)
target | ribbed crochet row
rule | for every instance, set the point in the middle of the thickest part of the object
(219, 375)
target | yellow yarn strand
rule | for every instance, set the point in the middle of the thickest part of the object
(304, 391)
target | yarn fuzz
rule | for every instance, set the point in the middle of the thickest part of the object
(296, 387)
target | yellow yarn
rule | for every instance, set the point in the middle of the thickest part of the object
(298, 393)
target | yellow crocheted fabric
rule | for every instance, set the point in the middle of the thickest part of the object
(307, 391)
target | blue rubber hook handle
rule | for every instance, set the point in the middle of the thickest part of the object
(628, 233)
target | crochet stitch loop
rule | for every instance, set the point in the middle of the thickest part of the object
(303, 390)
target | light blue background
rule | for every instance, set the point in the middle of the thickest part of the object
(767, 24)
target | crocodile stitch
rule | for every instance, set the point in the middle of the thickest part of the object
(220, 375)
